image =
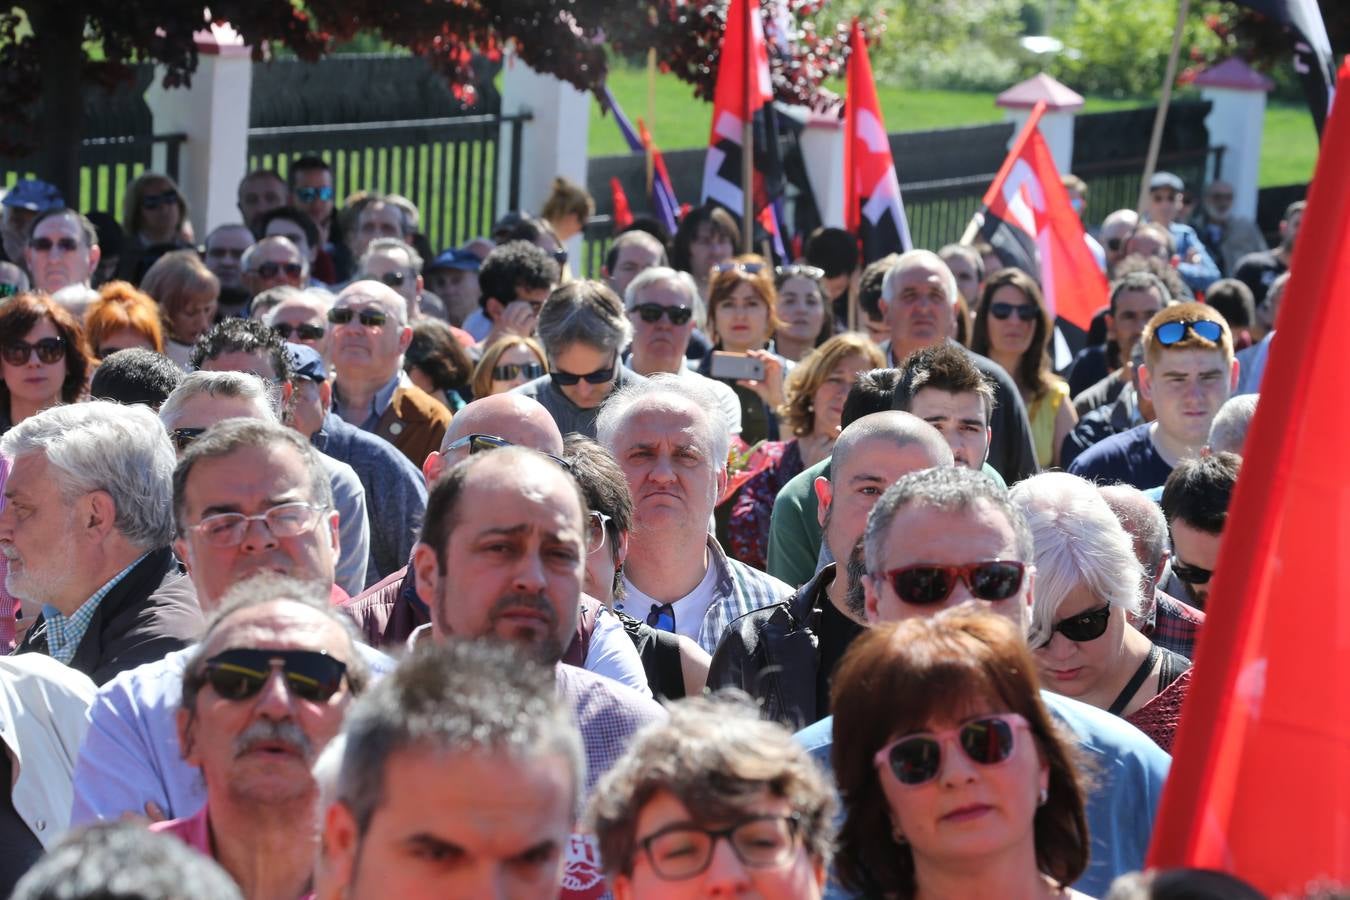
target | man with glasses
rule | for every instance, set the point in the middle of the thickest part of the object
(310, 179)
(397, 265)
(947, 535)
(1165, 203)
(1195, 501)
(370, 332)
(292, 223)
(261, 696)
(86, 528)
(272, 262)
(664, 308)
(225, 248)
(249, 497)
(301, 317)
(1115, 232)
(1188, 373)
(62, 250)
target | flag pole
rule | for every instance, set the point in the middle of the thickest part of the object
(651, 114)
(747, 134)
(1164, 100)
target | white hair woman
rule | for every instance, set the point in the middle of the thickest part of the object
(1087, 580)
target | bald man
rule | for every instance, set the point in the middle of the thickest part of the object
(785, 654)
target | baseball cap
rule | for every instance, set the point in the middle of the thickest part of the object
(1166, 180)
(306, 362)
(34, 195)
(464, 260)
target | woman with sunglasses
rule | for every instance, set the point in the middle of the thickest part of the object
(1088, 582)
(508, 363)
(155, 214)
(186, 291)
(959, 785)
(1013, 329)
(807, 320)
(122, 318)
(43, 355)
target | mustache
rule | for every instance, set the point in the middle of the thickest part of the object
(536, 603)
(265, 731)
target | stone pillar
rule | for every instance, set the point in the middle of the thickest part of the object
(1056, 124)
(822, 143)
(553, 142)
(214, 115)
(1235, 122)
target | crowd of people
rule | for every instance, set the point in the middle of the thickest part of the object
(366, 570)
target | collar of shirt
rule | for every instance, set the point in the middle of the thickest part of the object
(378, 404)
(64, 633)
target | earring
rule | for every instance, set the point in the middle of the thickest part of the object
(1045, 796)
(897, 836)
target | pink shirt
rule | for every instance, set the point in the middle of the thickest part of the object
(193, 831)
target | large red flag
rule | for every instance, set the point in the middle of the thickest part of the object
(1027, 216)
(873, 209)
(1260, 782)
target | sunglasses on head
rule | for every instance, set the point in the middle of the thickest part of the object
(271, 269)
(1027, 312)
(799, 270)
(652, 312)
(45, 244)
(155, 201)
(48, 350)
(599, 376)
(1191, 574)
(749, 268)
(1175, 332)
(310, 194)
(183, 437)
(241, 673)
(481, 443)
(916, 759)
(371, 318)
(302, 332)
(928, 583)
(1081, 628)
(512, 371)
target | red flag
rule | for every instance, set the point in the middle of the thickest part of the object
(873, 209)
(663, 189)
(1260, 782)
(623, 215)
(1027, 214)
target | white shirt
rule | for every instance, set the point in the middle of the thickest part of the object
(611, 653)
(689, 609)
(727, 401)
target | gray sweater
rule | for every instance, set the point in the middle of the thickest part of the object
(568, 416)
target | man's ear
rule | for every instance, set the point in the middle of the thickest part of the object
(339, 847)
(184, 554)
(326, 395)
(95, 254)
(1233, 376)
(287, 392)
(405, 338)
(99, 512)
(427, 572)
(1146, 382)
(1110, 326)
(871, 599)
(432, 467)
(183, 720)
(824, 494)
(492, 308)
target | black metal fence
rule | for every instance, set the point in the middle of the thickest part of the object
(107, 166)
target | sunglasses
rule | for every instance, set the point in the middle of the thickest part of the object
(652, 312)
(155, 201)
(799, 270)
(1175, 332)
(916, 759)
(1027, 312)
(1191, 574)
(45, 244)
(48, 350)
(302, 332)
(599, 376)
(310, 194)
(481, 443)
(371, 318)
(183, 437)
(747, 268)
(271, 269)
(285, 520)
(240, 674)
(512, 371)
(1081, 628)
(394, 279)
(927, 583)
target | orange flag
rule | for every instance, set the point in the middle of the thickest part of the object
(1260, 783)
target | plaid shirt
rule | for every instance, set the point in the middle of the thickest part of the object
(1175, 625)
(739, 589)
(64, 633)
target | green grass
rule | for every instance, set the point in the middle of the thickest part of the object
(1288, 145)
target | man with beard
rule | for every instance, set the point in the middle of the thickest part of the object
(1228, 237)
(262, 695)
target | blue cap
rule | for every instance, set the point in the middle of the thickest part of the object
(34, 195)
(465, 260)
(307, 362)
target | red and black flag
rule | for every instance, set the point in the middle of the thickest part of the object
(744, 94)
(873, 209)
(1313, 59)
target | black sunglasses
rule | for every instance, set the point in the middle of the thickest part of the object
(241, 673)
(271, 269)
(928, 583)
(1191, 574)
(599, 376)
(48, 350)
(1027, 312)
(394, 279)
(1083, 627)
(302, 332)
(183, 437)
(1175, 332)
(652, 312)
(481, 443)
(155, 201)
(511, 371)
(45, 244)
(371, 318)
(310, 194)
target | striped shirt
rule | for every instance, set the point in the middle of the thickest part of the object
(64, 633)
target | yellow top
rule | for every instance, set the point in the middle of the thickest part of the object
(1042, 414)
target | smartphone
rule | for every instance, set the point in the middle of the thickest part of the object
(736, 367)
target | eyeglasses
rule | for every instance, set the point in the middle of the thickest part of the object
(681, 851)
(45, 244)
(512, 371)
(751, 268)
(916, 759)
(927, 583)
(302, 332)
(1084, 627)
(183, 437)
(1191, 574)
(48, 350)
(799, 270)
(599, 376)
(271, 269)
(480, 443)
(155, 201)
(241, 673)
(1027, 312)
(285, 520)
(394, 279)
(310, 194)
(371, 318)
(652, 312)
(596, 526)
(1175, 332)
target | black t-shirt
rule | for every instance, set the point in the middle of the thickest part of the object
(1129, 457)
(834, 636)
(19, 849)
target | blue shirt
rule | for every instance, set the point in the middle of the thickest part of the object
(378, 404)
(64, 633)
(1198, 275)
(1129, 775)
(1129, 457)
